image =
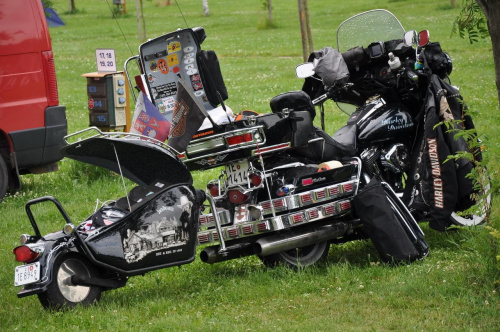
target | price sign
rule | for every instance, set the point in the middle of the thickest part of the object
(106, 60)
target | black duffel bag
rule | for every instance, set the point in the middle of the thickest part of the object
(394, 232)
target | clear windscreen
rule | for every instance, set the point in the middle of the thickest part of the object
(365, 28)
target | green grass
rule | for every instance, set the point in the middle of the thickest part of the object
(453, 289)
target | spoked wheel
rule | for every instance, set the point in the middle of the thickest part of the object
(61, 292)
(484, 209)
(298, 257)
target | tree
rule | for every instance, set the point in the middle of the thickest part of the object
(72, 7)
(206, 11)
(477, 19)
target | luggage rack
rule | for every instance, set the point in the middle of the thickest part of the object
(93, 132)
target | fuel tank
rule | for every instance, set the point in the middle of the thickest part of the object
(380, 121)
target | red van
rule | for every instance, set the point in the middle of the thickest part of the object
(32, 123)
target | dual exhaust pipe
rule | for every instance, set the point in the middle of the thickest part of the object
(265, 246)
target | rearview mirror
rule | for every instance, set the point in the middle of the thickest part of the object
(304, 70)
(410, 38)
(423, 38)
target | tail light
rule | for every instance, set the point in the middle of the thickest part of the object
(213, 188)
(255, 179)
(50, 79)
(25, 254)
(237, 197)
(238, 139)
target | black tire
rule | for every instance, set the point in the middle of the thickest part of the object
(62, 293)
(4, 178)
(298, 257)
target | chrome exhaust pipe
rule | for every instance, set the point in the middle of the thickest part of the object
(211, 255)
(298, 238)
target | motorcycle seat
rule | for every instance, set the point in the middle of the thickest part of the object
(293, 101)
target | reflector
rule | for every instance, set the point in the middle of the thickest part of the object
(238, 139)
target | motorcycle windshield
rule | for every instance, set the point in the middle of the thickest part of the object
(364, 28)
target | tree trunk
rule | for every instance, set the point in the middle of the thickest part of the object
(141, 25)
(270, 11)
(206, 11)
(308, 27)
(491, 9)
(72, 7)
(303, 30)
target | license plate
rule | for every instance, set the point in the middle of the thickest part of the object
(27, 274)
(237, 173)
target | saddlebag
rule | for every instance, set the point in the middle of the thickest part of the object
(393, 231)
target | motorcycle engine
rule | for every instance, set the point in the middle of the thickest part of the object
(396, 158)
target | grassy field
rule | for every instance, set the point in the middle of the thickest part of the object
(455, 288)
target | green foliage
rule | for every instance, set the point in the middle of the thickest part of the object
(471, 22)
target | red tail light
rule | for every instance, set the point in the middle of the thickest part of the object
(238, 139)
(50, 79)
(213, 189)
(25, 254)
(237, 197)
(255, 179)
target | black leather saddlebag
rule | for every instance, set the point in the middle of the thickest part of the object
(394, 232)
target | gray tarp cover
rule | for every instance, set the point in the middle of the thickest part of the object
(331, 67)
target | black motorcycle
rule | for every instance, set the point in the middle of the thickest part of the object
(403, 115)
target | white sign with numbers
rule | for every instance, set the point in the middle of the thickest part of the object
(106, 60)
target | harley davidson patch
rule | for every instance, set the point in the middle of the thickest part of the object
(179, 119)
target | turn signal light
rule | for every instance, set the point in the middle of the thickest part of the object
(238, 139)
(25, 254)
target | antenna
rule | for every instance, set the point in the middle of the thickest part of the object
(177, 3)
(119, 27)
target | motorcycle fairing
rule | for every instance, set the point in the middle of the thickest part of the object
(138, 160)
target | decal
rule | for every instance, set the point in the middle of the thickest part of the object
(212, 160)
(197, 86)
(162, 65)
(199, 93)
(176, 70)
(396, 123)
(188, 49)
(152, 65)
(160, 235)
(91, 103)
(437, 182)
(160, 105)
(189, 55)
(172, 59)
(151, 78)
(166, 90)
(191, 71)
(174, 47)
(187, 61)
(195, 78)
(179, 119)
(203, 134)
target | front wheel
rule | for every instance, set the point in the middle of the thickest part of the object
(298, 257)
(61, 292)
(483, 205)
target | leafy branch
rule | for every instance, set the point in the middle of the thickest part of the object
(471, 22)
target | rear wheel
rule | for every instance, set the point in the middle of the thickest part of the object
(61, 292)
(298, 257)
(4, 178)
